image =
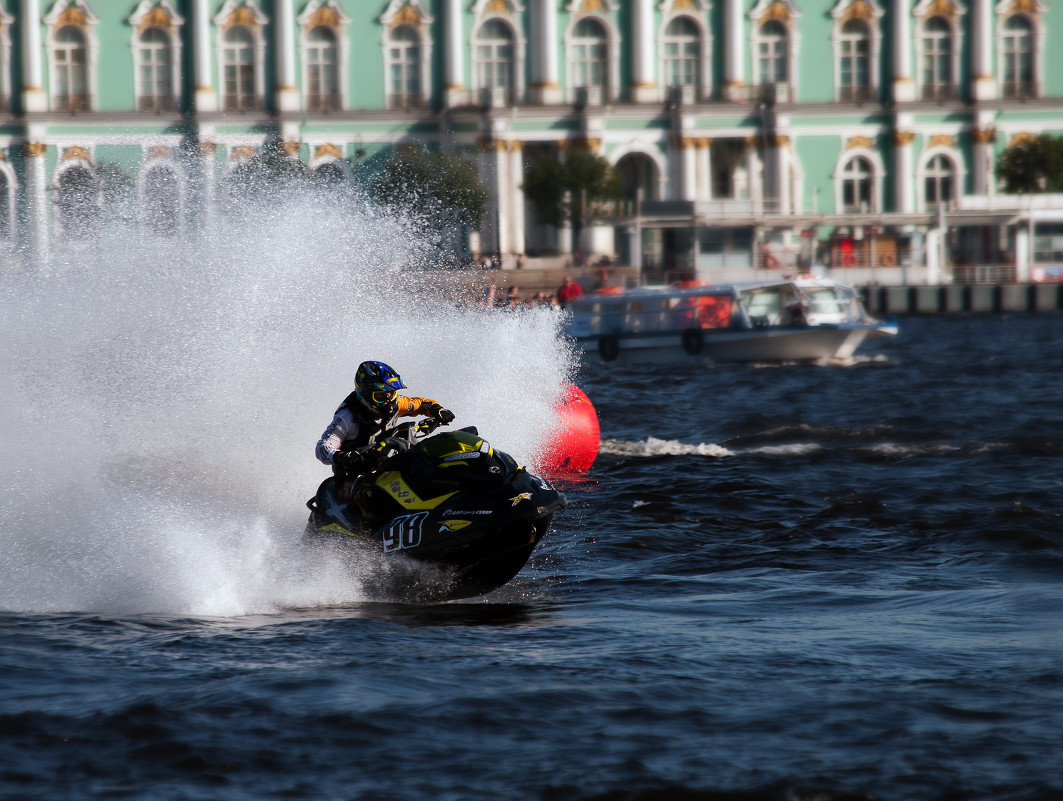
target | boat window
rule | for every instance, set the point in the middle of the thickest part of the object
(703, 311)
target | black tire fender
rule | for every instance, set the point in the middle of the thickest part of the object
(608, 348)
(693, 342)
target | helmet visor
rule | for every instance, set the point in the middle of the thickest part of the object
(382, 397)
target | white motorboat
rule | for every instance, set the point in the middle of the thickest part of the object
(800, 319)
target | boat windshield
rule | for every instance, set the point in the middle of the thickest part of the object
(768, 305)
(832, 304)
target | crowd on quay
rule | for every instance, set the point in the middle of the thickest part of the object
(511, 298)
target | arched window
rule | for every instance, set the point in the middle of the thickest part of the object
(155, 76)
(854, 74)
(71, 78)
(772, 54)
(589, 59)
(494, 50)
(238, 64)
(682, 54)
(936, 75)
(322, 72)
(404, 68)
(77, 199)
(161, 202)
(857, 184)
(938, 182)
(1017, 48)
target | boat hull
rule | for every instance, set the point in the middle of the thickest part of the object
(781, 344)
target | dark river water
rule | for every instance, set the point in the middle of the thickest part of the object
(781, 583)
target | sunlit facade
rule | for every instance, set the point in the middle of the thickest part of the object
(752, 132)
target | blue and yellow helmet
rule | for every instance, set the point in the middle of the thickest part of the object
(376, 385)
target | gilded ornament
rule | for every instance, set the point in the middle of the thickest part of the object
(156, 18)
(1022, 138)
(684, 5)
(858, 10)
(940, 8)
(903, 137)
(776, 12)
(72, 15)
(242, 152)
(325, 16)
(242, 16)
(780, 140)
(941, 140)
(515, 146)
(704, 142)
(984, 136)
(326, 150)
(592, 5)
(208, 148)
(859, 141)
(291, 147)
(687, 143)
(498, 7)
(1024, 7)
(34, 148)
(76, 152)
(407, 15)
(159, 152)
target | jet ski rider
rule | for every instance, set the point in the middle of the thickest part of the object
(364, 415)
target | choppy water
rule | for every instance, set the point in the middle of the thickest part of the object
(796, 582)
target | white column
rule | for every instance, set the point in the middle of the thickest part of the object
(205, 97)
(733, 46)
(704, 170)
(33, 97)
(903, 183)
(753, 177)
(688, 155)
(545, 88)
(284, 19)
(903, 87)
(516, 189)
(36, 205)
(454, 93)
(982, 160)
(643, 75)
(983, 87)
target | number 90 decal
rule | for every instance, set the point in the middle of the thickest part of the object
(404, 532)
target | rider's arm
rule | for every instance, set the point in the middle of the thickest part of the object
(411, 407)
(341, 428)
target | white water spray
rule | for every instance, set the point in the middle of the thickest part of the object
(162, 399)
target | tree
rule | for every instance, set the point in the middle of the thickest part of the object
(1033, 164)
(569, 189)
(438, 188)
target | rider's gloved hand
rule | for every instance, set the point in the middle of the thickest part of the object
(349, 461)
(445, 416)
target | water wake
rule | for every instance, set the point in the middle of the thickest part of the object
(162, 401)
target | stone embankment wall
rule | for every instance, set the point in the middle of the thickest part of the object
(959, 298)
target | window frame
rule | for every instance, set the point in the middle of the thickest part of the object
(514, 91)
(1008, 90)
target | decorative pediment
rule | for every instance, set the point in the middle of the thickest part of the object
(76, 153)
(783, 11)
(941, 140)
(406, 12)
(327, 150)
(865, 10)
(325, 13)
(938, 8)
(1032, 8)
(240, 12)
(241, 152)
(483, 7)
(667, 7)
(150, 14)
(590, 6)
(71, 12)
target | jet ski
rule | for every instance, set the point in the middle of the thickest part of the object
(448, 502)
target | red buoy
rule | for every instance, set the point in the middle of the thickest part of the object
(573, 446)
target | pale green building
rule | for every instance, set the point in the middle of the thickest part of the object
(771, 133)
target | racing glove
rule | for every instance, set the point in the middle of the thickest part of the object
(349, 461)
(445, 416)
